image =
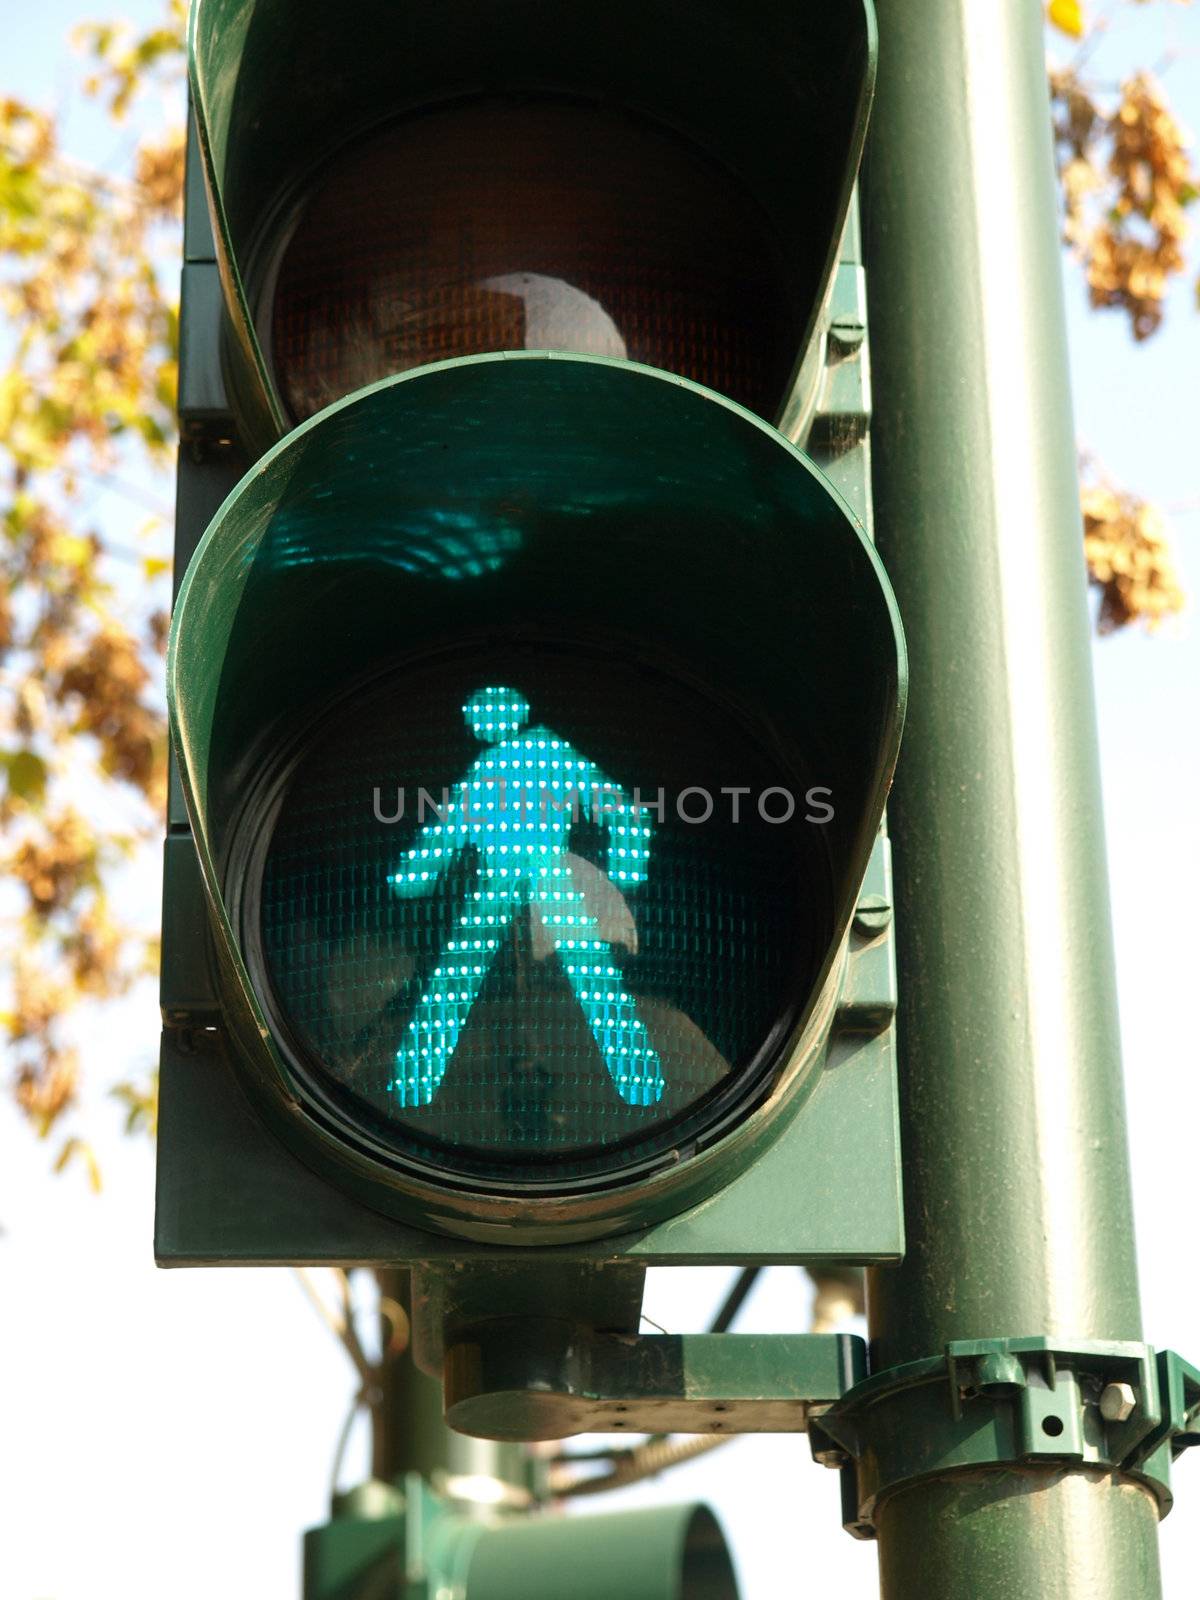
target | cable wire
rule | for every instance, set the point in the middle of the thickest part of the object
(632, 1466)
(734, 1300)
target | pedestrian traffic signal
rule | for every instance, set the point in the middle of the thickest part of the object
(534, 697)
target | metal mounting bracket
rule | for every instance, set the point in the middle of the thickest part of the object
(1019, 1403)
(1010, 1402)
(527, 1378)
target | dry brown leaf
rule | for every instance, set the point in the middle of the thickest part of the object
(1128, 559)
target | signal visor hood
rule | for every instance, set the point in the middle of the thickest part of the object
(776, 93)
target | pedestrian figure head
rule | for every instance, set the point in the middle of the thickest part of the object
(495, 714)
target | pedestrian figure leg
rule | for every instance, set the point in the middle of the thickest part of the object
(610, 1009)
(438, 1020)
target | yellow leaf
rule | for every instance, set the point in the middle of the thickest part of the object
(1067, 17)
(72, 550)
(27, 774)
(154, 566)
(73, 1147)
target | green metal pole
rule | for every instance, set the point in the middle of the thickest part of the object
(409, 1432)
(1017, 1189)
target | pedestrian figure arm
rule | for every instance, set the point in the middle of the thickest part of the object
(628, 826)
(432, 851)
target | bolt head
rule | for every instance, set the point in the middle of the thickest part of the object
(1118, 1402)
(872, 915)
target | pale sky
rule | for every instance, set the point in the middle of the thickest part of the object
(174, 1432)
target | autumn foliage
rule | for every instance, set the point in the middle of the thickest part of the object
(1128, 557)
(1127, 179)
(87, 389)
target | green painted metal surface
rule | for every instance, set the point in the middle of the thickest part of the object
(827, 1188)
(667, 1553)
(1016, 1182)
(332, 560)
(1009, 1404)
(1014, 1118)
(409, 1543)
(1012, 1535)
(1179, 1426)
(230, 1193)
(408, 1427)
(531, 1378)
(444, 1514)
(279, 85)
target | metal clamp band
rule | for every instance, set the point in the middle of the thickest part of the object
(1009, 1402)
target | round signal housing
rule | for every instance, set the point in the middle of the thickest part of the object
(535, 715)
(520, 939)
(519, 224)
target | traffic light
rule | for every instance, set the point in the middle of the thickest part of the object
(534, 695)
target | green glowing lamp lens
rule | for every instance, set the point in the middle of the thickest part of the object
(534, 915)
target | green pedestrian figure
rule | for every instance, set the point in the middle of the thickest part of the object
(515, 808)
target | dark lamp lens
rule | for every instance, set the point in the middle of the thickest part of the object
(518, 935)
(529, 226)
